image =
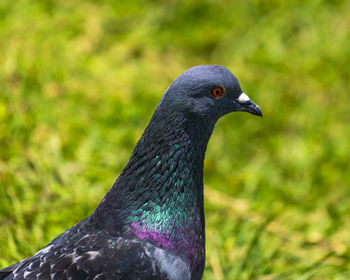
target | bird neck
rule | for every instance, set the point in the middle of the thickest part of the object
(166, 173)
(159, 194)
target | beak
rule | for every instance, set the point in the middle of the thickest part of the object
(248, 106)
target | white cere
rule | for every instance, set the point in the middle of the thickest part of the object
(243, 98)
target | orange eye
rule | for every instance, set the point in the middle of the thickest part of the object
(217, 92)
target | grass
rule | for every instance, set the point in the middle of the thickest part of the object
(79, 82)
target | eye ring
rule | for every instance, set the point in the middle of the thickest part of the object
(217, 92)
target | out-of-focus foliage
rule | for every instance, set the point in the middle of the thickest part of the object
(79, 81)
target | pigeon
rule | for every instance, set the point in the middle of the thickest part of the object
(150, 225)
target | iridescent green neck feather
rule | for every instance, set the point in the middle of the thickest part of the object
(159, 195)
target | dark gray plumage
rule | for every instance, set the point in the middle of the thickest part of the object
(150, 225)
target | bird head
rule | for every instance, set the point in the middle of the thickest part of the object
(208, 91)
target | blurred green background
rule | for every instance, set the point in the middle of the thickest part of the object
(79, 81)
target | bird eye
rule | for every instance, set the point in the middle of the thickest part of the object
(217, 92)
